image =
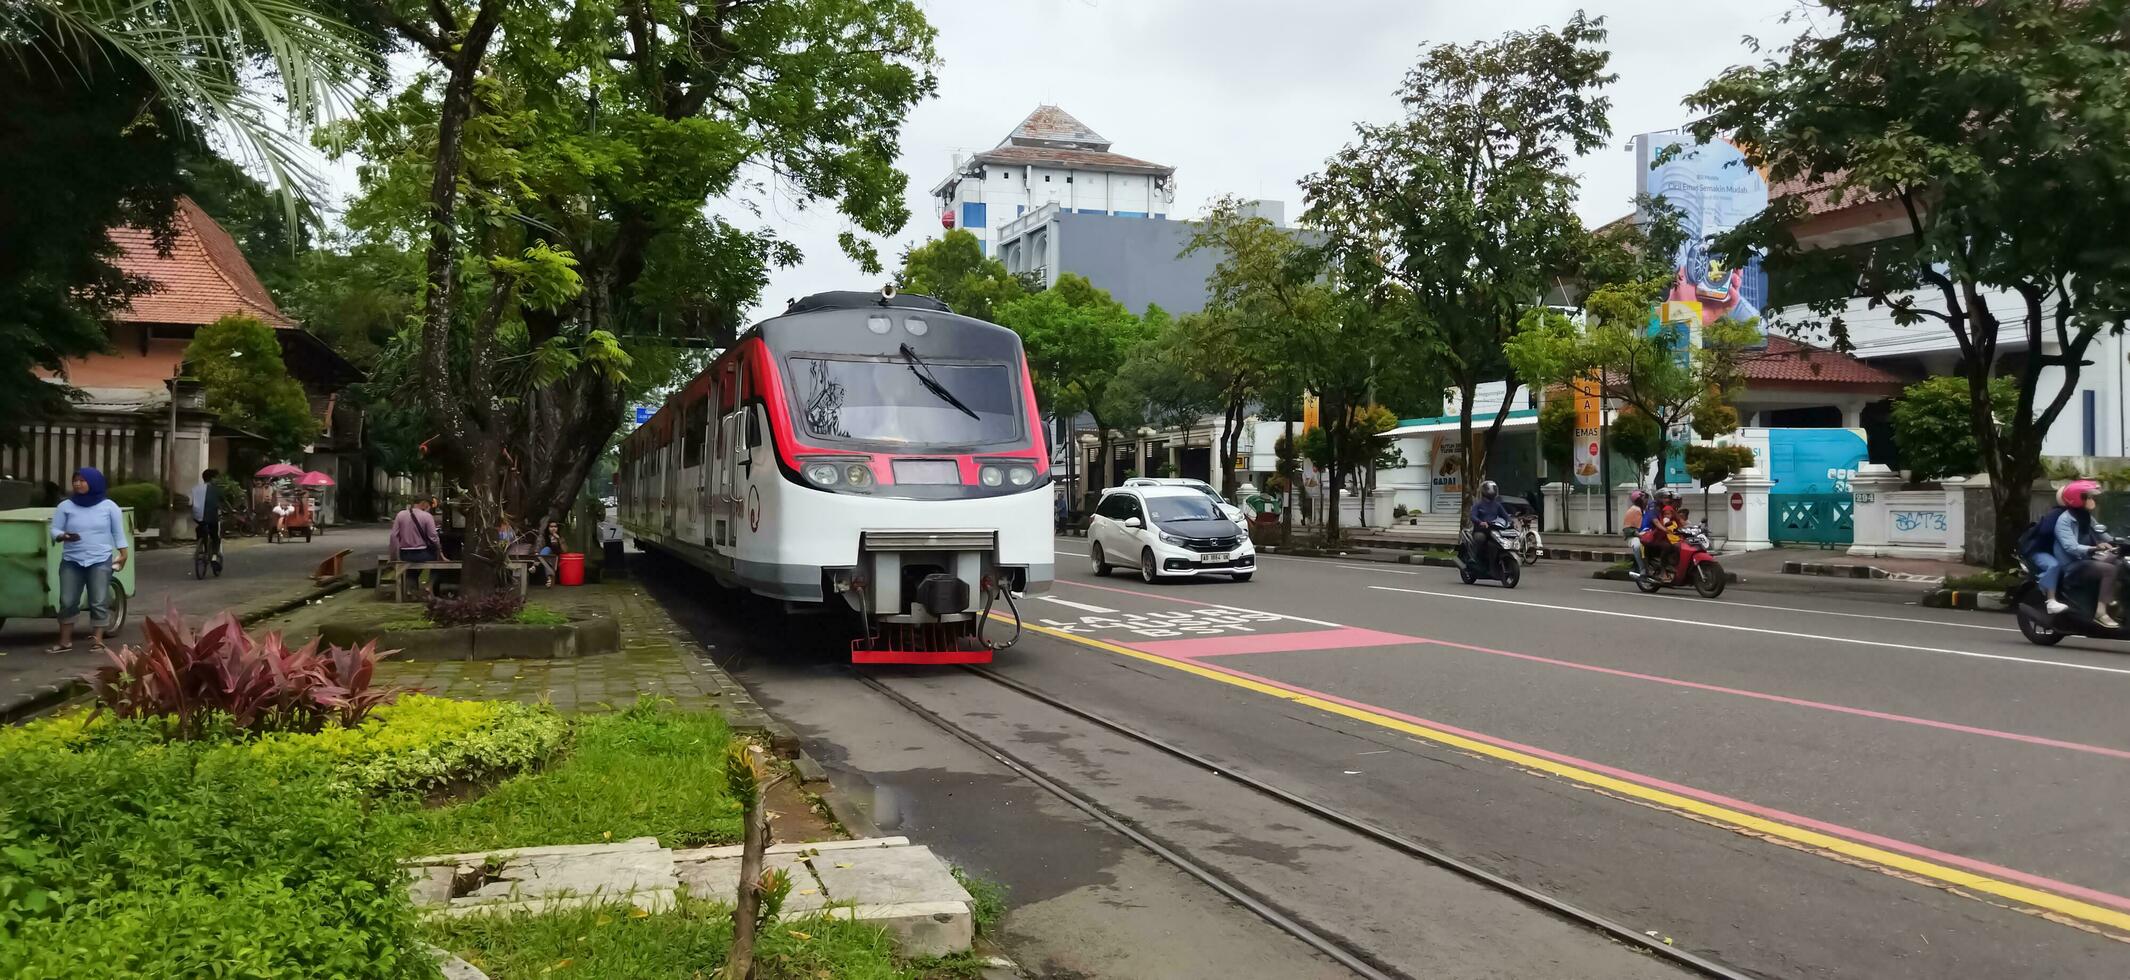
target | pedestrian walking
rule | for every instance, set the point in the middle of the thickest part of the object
(92, 532)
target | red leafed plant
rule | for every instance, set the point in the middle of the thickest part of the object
(222, 674)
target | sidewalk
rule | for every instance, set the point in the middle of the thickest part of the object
(256, 576)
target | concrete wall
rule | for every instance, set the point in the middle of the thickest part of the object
(1136, 260)
(1010, 192)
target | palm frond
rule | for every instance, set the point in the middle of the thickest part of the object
(196, 52)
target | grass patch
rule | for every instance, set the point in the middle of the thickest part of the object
(1443, 553)
(535, 614)
(617, 942)
(987, 899)
(650, 771)
(1989, 581)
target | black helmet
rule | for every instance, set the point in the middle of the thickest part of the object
(1489, 490)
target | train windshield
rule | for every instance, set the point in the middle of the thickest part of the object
(906, 401)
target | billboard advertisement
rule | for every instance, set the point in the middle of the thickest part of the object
(1716, 190)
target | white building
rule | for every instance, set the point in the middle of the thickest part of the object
(1050, 158)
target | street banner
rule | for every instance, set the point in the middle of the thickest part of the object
(1589, 418)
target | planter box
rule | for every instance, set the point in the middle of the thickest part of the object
(495, 641)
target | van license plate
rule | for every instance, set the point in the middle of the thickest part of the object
(1212, 559)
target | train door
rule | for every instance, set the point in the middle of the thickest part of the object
(724, 490)
(695, 423)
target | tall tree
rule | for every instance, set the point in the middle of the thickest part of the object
(238, 362)
(104, 103)
(1263, 295)
(1077, 340)
(1995, 132)
(1466, 205)
(954, 270)
(588, 138)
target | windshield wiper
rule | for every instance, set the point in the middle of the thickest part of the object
(931, 384)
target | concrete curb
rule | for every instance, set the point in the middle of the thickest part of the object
(1967, 599)
(1832, 570)
(48, 696)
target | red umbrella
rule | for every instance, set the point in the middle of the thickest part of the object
(279, 470)
(315, 479)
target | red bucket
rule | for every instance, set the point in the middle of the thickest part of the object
(570, 571)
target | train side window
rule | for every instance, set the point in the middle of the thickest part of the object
(754, 428)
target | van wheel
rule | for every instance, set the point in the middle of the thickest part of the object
(1094, 557)
(1148, 570)
(1242, 576)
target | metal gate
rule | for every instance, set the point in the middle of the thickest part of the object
(1825, 519)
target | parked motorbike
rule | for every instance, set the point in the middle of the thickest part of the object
(1692, 567)
(2077, 590)
(1500, 564)
(1527, 529)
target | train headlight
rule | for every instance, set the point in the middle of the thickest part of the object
(991, 476)
(823, 474)
(858, 475)
(1020, 476)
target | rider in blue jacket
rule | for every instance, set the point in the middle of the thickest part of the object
(1486, 511)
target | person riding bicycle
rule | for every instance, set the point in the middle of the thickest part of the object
(207, 512)
(1485, 512)
(2073, 544)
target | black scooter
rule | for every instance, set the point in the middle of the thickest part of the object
(2078, 591)
(1501, 565)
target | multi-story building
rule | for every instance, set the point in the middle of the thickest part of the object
(1050, 158)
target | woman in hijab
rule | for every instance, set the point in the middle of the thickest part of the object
(92, 532)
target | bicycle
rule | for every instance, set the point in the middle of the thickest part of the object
(205, 558)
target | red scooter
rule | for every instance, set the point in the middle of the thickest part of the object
(1696, 567)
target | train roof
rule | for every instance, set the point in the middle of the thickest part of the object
(853, 299)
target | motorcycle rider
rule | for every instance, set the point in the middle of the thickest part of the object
(1485, 512)
(2076, 539)
(1631, 525)
(1660, 531)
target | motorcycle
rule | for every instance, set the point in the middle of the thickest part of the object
(1527, 530)
(1501, 565)
(1695, 567)
(2079, 591)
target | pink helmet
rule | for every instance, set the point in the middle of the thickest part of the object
(2074, 494)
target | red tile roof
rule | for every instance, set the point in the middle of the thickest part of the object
(203, 279)
(1069, 159)
(1788, 363)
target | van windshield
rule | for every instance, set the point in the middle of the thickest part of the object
(1169, 509)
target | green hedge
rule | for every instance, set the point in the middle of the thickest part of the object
(146, 499)
(122, 855)
(126, 856)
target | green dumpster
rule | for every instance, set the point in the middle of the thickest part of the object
(29, 569)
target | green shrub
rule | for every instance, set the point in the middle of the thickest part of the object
(421, 743)
(987, 899)
(136, 857)
(1990, 581)
(145, 499)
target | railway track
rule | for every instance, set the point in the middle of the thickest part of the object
(1331, 946)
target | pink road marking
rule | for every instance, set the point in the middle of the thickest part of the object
(1343, 638)
(1771, 813)
(1799, 702)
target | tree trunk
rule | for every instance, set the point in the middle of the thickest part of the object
(2012, 494)
(1334, 420)
(1287, 505)
(747, 905)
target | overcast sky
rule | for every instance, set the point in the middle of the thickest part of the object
(1244, 96)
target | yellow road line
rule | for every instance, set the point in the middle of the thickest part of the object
(2034, 897)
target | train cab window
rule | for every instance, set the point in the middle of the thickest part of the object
(906, 402)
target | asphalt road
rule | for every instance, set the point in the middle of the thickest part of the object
(253, 572)
(1796, 786)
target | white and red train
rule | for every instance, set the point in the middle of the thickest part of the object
(864, 450)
